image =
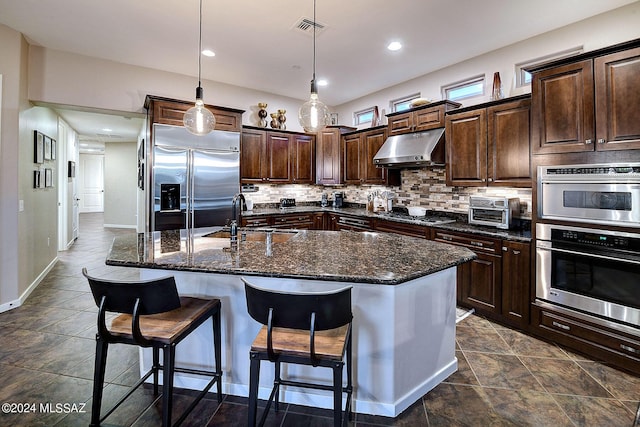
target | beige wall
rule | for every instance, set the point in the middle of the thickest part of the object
(120, 183)
(613, 27)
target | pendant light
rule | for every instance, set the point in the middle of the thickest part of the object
(313, 114)
(198, 120)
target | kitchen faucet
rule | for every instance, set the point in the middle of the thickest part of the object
(234, 215)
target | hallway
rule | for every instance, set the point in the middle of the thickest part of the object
(505, 378)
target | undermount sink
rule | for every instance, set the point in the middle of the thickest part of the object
(255, 235)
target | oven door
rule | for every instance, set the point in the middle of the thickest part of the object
(597, 284)
(600, 203)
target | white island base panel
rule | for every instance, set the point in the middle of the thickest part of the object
(403, 339)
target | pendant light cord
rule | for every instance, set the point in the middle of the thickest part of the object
(314, 40)
(200, 47)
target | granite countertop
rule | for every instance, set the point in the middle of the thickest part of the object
(369, 257)
(460, 225)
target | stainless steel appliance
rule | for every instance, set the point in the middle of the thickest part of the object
(496, 212)
(589, 270)
(338, 199)
(416, 149)
(194, 177)
(599, 194)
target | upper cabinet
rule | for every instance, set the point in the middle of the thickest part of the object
(276, 157)
(589, 103)
(423, 118)
(329, 154)
(488, 145)
(171, 112)
(359, 149)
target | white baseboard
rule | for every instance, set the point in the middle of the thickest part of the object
(132, 226)
(18, 302)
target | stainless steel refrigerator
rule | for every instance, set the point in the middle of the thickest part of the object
(194, 177)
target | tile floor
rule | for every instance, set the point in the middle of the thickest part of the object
(505, 378)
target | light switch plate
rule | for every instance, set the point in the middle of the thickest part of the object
(20, 205)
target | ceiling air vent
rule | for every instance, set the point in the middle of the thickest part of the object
(306, 26)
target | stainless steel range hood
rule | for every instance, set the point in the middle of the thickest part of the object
(412, 150)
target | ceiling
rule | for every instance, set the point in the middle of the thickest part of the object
(259, 46)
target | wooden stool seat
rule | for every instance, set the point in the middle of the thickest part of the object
(330, 344)
(167, 327)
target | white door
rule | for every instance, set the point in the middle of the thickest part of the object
(91, 183)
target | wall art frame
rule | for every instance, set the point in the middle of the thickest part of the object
(38, 147)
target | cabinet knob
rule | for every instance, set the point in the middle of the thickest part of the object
(505, 249)
(588, 141)
(601, 141)
(516, 252)
(490, 179)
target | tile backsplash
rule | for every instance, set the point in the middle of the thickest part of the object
(419, 187)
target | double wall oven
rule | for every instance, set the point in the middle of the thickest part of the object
(591, 266)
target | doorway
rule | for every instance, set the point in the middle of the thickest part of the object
(91, 183)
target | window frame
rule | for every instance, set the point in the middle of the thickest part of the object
(521, 73)
(468, 82)
(357, 115)
(394, 103)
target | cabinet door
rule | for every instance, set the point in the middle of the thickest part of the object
(302, 159)
(466, 148)
(328, 157)
(428, 118)
(253, 155)
(332, 222)
(563, 109)
(480, 282)
(351, 164)
(516, 279)
(371, 143)
(508, 151)
(617, 107)
(319, 221)
(401, 123)
(278, 158)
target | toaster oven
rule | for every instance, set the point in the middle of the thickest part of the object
(496, 212)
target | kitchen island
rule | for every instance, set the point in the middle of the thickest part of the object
(403, 298)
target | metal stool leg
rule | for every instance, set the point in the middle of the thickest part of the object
(337, 394)
(155, 367)
(98, 379)
(277, 384)
(254, 378)
(217, 343)
(167, 383)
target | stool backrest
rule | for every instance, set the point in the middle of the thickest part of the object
(155, 296)
(293, 309)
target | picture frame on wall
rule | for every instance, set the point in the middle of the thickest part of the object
(71, 169)
(48, 178)
(36, 179)
(38, 147)
(54, 149)
(333, 119)
(47, 148)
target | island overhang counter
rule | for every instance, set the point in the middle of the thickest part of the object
(403, 297)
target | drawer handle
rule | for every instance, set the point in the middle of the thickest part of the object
(301, 218)
(516, 252)
(561, 326)
(630, 349)
(447, 238)
(601, 141)
(478, 244)
(588, 141)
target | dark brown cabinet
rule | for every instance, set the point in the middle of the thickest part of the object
(420, 119)
(489, 145)
(587, 105)
(171, 112)
(479, 281)
(413, 230)
(516, 280)
(293, 221)
(329, 154)
(338, 222)
(320, 221)
(276, 157)
(359, 149)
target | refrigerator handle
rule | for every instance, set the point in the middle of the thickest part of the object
(190, 190)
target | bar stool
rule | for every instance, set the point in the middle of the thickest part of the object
(152, 314)
(301, 328)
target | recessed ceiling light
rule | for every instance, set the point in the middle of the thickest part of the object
(208, 52)
(394, 46)
(107, 130)
(322, 82)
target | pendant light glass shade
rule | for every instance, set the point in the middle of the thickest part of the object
(198, 120)
(313, 114)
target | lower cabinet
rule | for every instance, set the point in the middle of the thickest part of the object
(612, 345)
(339, 222)
(413, 230)
(302, 221)
(496, 283)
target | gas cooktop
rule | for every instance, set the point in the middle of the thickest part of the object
(429, 218)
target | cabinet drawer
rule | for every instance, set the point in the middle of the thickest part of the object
(476, 243)
(304, 221)
(262, 221)
(354, 224)
(582, 331)
(402, 228)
